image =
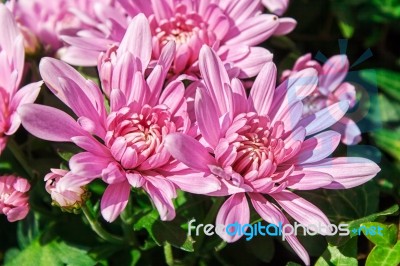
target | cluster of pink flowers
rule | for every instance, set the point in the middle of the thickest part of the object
(145, 128)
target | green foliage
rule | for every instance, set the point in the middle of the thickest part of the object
(52, 253)
(387, 249)
(165, 232)
(387, 80)
(344, 255)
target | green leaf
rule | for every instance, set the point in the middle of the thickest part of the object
(346, 19)
(27, 230)
(382, 255)
(380, 234)
(65, 155)
(55, 252)
(389, 141)
(135, 257)
(291, 263)
(346, 29)
(162, 232)
(387, 110)
(340, 240)
(370, 218)
(387, 80)
(340, 256)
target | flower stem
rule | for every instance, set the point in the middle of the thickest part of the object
(99, 230)
(16, 151)
(169, 257)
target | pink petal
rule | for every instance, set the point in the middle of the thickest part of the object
(135, 179)
(290, 115)
(301, 210)
(71, 180)
(349, 130)
(117, 100)
(261, 94)
(277, 7)
(155, 82)
(167, 55)
(239, 97)
(253, 31)
(51, 69)
(286, 25)
(347, 172)
(49, 123)
(317, 148)
(346, 91)
(162, 10)
(78, 100)
(122, 75)
(239, 11)
(137, 40)
(9, 30)
(161, 191)
(206, 116)
(189, 151)
(17, 213)
(88, 164)
(252, 63)
(173, 96)
(114, 200)
(270, 213)
(226, 189)
(324, 118)
(215, 76)
(196, 183)
(79, 57)
(91, 145)
(297, 87)
(308, 180)
(234, 210)
(27, 94)
(113, 173)
(333, 73)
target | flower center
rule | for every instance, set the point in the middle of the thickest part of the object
(179, 28)
(135, 135)
(253, 148)
(257, 141)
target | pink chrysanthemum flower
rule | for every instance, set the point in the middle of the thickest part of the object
(65, 194)
(12, 56)
(260, 146)
(233, 28)
(331, 89)
(128, 150)
(13, 197)
(42, 22)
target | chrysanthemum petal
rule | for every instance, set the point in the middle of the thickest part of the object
(234, 210)
(49, 123)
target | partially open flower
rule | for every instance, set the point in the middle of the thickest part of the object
(13, 197)
(331, 89)
(67, 196)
